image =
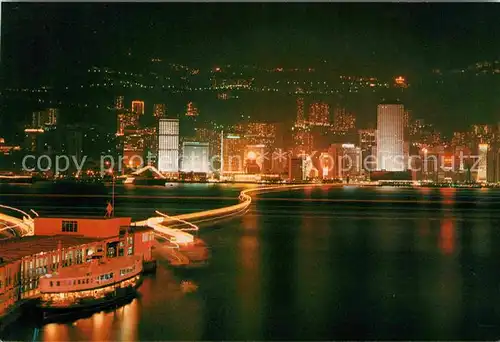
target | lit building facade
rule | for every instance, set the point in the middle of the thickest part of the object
(368, 146)
(319, 114)
(210, 136)
(52, 115)
(138, 107)
(159, 111)
(191, 109)
(390, 137)
(301, 120)
(351, 161)
(168, 145)
(482, 166)
(342, 120)
(119, 100)
(133, 149)
(195, 156)
(126, 120)
(303, 140)
(296, 169)
(45, 118)
(233, 148)
(255, 156)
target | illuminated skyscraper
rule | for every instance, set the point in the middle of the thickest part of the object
(45, 118)
(191, 109)
(303, 141)
(233, 147)
(407, 118)
(138, 107)
(296, 169)
(168, 145)
(390, 137)
(119, 102)
(319, 114)
(126, 119)
(482, 166)
(52, 115)
(133, 149)
(300, 122)
(195, 156)
(260, 133)
(342, 120)
(368, 146)
(159, 111)
(211, 137)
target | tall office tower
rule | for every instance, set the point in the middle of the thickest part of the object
(483, 133)
(138, 107)
(233, 146)
(368, 145)
(168, 145)
(126, 120)
(342, 120)
(296, 169)
(301, 120)
(191, 109)
(319, 114)
(407, 118)
(119, 102)
(120, 123)
(303, 141)
(390, 137)
(260, 133)
(133, 149)
(459, 139)
(159, 111)
(211, 137)
(195, 156)
(38, 119)
(482, 167)
(52, 115)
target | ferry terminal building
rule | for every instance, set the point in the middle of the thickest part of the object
(62, 242)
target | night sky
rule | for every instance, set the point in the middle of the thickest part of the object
(382, 37)
(52, 41)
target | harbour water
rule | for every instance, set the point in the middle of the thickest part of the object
(342, 263)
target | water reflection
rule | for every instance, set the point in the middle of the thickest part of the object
(326, 271)
(447, 236)
(311, 279)
(249, 280)
(129, 315)
(55, 332)
(448, 195)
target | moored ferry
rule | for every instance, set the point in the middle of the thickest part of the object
(97, 284)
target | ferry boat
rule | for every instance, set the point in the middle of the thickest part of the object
(98, 284)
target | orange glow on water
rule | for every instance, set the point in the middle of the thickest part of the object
(448, 195)
(129, 321)
(447, 237)
(56, 332)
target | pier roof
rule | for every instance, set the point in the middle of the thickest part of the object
(18, 248)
